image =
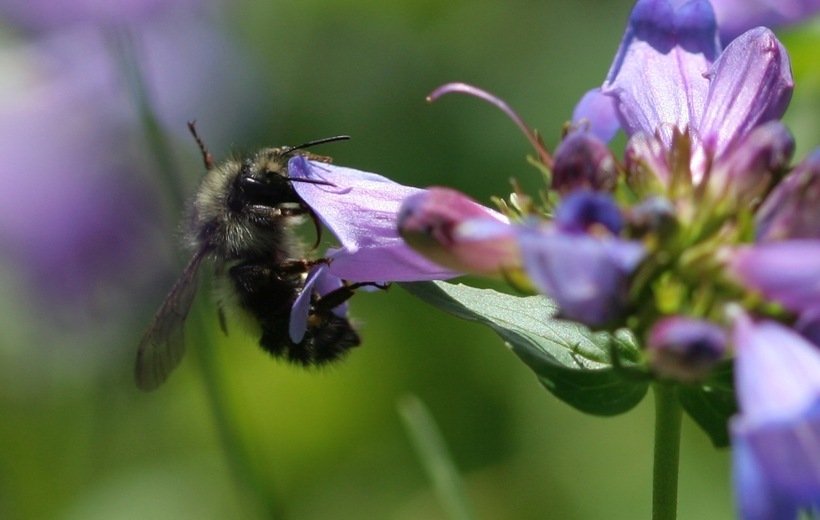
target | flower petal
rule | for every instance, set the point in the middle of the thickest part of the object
(751, 83)
(777, 380)
(791, 210)
(361, 209)
(787, 271)
(657, 75)
(586, 276)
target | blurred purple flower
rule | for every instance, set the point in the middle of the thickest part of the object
(585, 275)
(56, 14)
(684, 348)
(792, 210)
(580, 262)
(787, 271)
(738, 16)
(776, 435)
(361, 209)
(76, 214)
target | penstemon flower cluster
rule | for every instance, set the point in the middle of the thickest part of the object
(689, 263)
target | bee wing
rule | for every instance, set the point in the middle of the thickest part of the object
(163, 344)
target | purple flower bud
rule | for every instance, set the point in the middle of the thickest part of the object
(792, 210)
(685, 349)
(597, 114)
(776, 436)
(750, 84)
(457, 232)
(745, 172)
(582, 161)
(787, 272)
(653, 215)
(587, 276)
(588, 212)
(361, 209)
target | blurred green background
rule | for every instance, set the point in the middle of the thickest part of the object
(79, 441)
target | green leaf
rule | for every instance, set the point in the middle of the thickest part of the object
(572, 362)
(711, 404)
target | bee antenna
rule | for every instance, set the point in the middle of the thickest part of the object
(320, 141)
(207, 158)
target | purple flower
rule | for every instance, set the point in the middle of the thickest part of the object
(457, 232)
(787, 272)
(792, 210)
(776, 435)
(361, 209)
(586, 276)
(51, 14)
(737, 16)
(684, 348)
(669, 76)
(318, 282)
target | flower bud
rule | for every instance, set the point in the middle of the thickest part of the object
(748, 169)
(685, 349)
(589, 212)
(791, 210)
(582, 161)
(457, 232)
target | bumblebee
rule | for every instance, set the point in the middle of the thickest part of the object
(242, 219)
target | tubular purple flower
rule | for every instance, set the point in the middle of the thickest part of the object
(582, 161)
(657, 75)
(791, 210)
(457, 232)
(685, 349)
(669, 75)
(787, 272)
(587, 276)
(361, 209)
(776, 435)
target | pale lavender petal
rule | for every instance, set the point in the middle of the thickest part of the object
(301, 306)
(751, 83)
(596, 113)
(646, 159)
(787, 271)
(361, 209)
(657, 75)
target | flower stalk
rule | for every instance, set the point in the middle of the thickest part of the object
(666, 458)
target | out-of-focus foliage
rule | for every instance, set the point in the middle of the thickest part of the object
(78, 441)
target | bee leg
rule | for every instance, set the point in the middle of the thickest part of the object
(338, 296)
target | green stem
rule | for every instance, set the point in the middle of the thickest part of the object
(668, 414)
(249, 479)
